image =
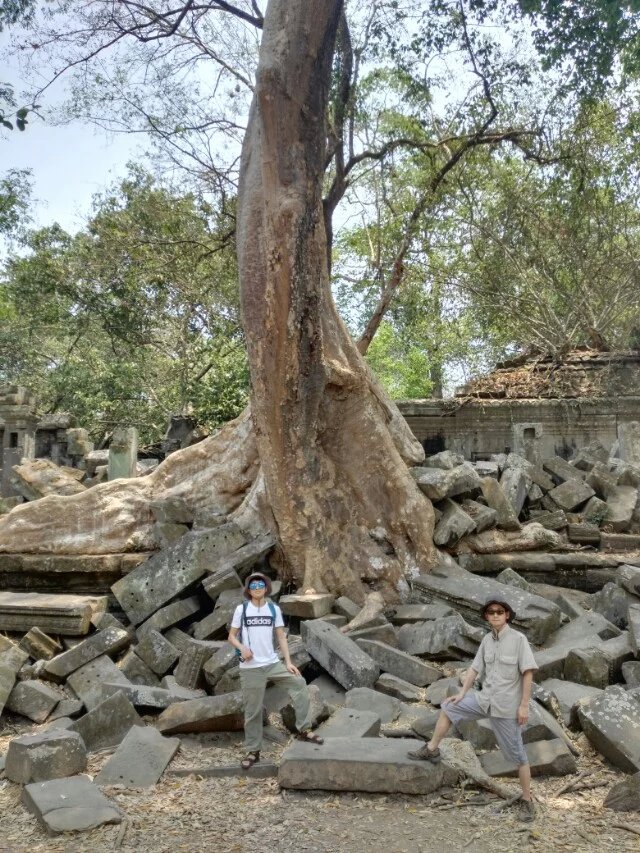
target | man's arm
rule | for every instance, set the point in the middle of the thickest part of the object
(523, 710)
(245, 652)
(284, 645)
(466, 685)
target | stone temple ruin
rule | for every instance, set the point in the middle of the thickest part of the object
(89, 643)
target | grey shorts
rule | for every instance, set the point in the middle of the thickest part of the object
(508, 731)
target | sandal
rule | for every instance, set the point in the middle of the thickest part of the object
(310, 737)
(249, 760)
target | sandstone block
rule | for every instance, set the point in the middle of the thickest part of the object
(343, 659)
(211, 714)
(107, 723)
(46, 755)
(308, 606)
(67, 805)
(110, 641)
(140, 760)
(33, 699)
(546, 758)
(399, 663)
(350, 723)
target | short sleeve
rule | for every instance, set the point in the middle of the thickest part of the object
(526, 659)
(478, 661)
(279, 619)
(236, 622)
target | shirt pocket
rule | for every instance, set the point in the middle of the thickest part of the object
(489, 656)
(509, 663)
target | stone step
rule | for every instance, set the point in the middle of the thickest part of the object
(69, 615)
(87, 574)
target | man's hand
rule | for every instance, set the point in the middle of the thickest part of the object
(453, 700)
(523, 715)
(246, 654)
(293, 669)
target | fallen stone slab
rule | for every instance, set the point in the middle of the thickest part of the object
(189, 673)
(107, 723)
(156, 651)
(588, 666)
(444, 639)
(136, 670)
(66, 708)
(179, 691)
(631, 673)
(169, 572)
(391, 685)
(438, 483)
(621, 501)
(452, 525)
(625, 796)
(633, 620)
(437, 692)
(230, 683)
(140, 760)
(219, 662)
(215, 626)
(589, 630)
(424, 725)
(36, 478)
(399, 663)
(546, 758)
(339, 655)
(242, 559)
(69, 805)
(34, 700)
(408, 614)
(613, 602)
(87, 681)
(46, 755)
(629, 442)
(220, 581)
(515, 483)
(170, 615)
(332, 692)
(67, 615)
(343, 606)
(350, 722)
(261, 770)
(571, 494)
(628, 577)
(11, 660)
(141, 696)
(362, 764)
(107, 642)
(211, 714)
(483, 516)
(570, 696)
(39, 645)
(308, 606)
(496, 499)
(611, 721)
(550, 519)
(451, 585)
(446, 460)
(318, 711)
(561, 470)
(384, 633)
(365, 699)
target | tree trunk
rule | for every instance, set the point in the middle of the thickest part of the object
(325, 461)
(345, 504)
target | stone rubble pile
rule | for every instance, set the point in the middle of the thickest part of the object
(133, 671)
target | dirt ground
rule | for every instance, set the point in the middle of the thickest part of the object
(236, 815)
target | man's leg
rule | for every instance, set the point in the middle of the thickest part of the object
(524, 775)
(252, 683)
(442, 727)
(466, 709)
(298, 691)
(509, 736)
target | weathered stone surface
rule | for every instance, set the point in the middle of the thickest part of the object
(453, 586)
(308, 606)
(332, 692)
(107, 723)
(211, 714)
(189, 672)
(446, 460)
(219, 662)
(215, 626)
(444, 639)
(39, 645)
(46, 755)
(110, 641)
(426, 723)
(165, 575)
(439, 690)
(495, 497)
(244, 558)
(87, 681)
(362, 764)
(587, 666)
(437, 483)
(546, 758)
(453, 524)
(33, 699)
(136, 670)
(595, 511)
(66, 708)
(140, 695)
(515, 484)
(570, 695)
(631, 673)
(220, 581)
(171, 615)
(625, 795)
(551, 520)
(68, 805)
(621, 501)
(364, 699)
(318, 711)
(611, 721)
(409, 614)
(560, 470)
(156, 651)
(384, 633)
(123, 453)
(262, 770)
(483, 516)
(179, 691)
(628, 577)
(586, 631)
(398, 688)
(343, 659)
(571, 494)
(629, 442)
(613, 601)
(345, 607)
(633, 619)
(350, 723)
(230, 683)
(11, 659)
(69, 615)
(140, 760)
(335, 619)
(511, 578)
(36, 478)
(399, 663)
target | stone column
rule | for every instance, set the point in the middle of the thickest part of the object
(18, 415)
(123, 453)
(527, 440)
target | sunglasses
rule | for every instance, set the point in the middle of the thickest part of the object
(495, 612)
(257, 585)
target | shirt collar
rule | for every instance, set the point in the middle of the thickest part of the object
(501, 633)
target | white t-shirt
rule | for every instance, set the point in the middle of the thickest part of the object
(257, 633)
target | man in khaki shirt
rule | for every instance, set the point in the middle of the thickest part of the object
(505, 663)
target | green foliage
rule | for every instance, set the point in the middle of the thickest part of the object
(15, 192)
(133, 318)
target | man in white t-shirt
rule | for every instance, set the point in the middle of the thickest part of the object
(252, 628)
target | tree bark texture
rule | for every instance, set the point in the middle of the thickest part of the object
(330, 444)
